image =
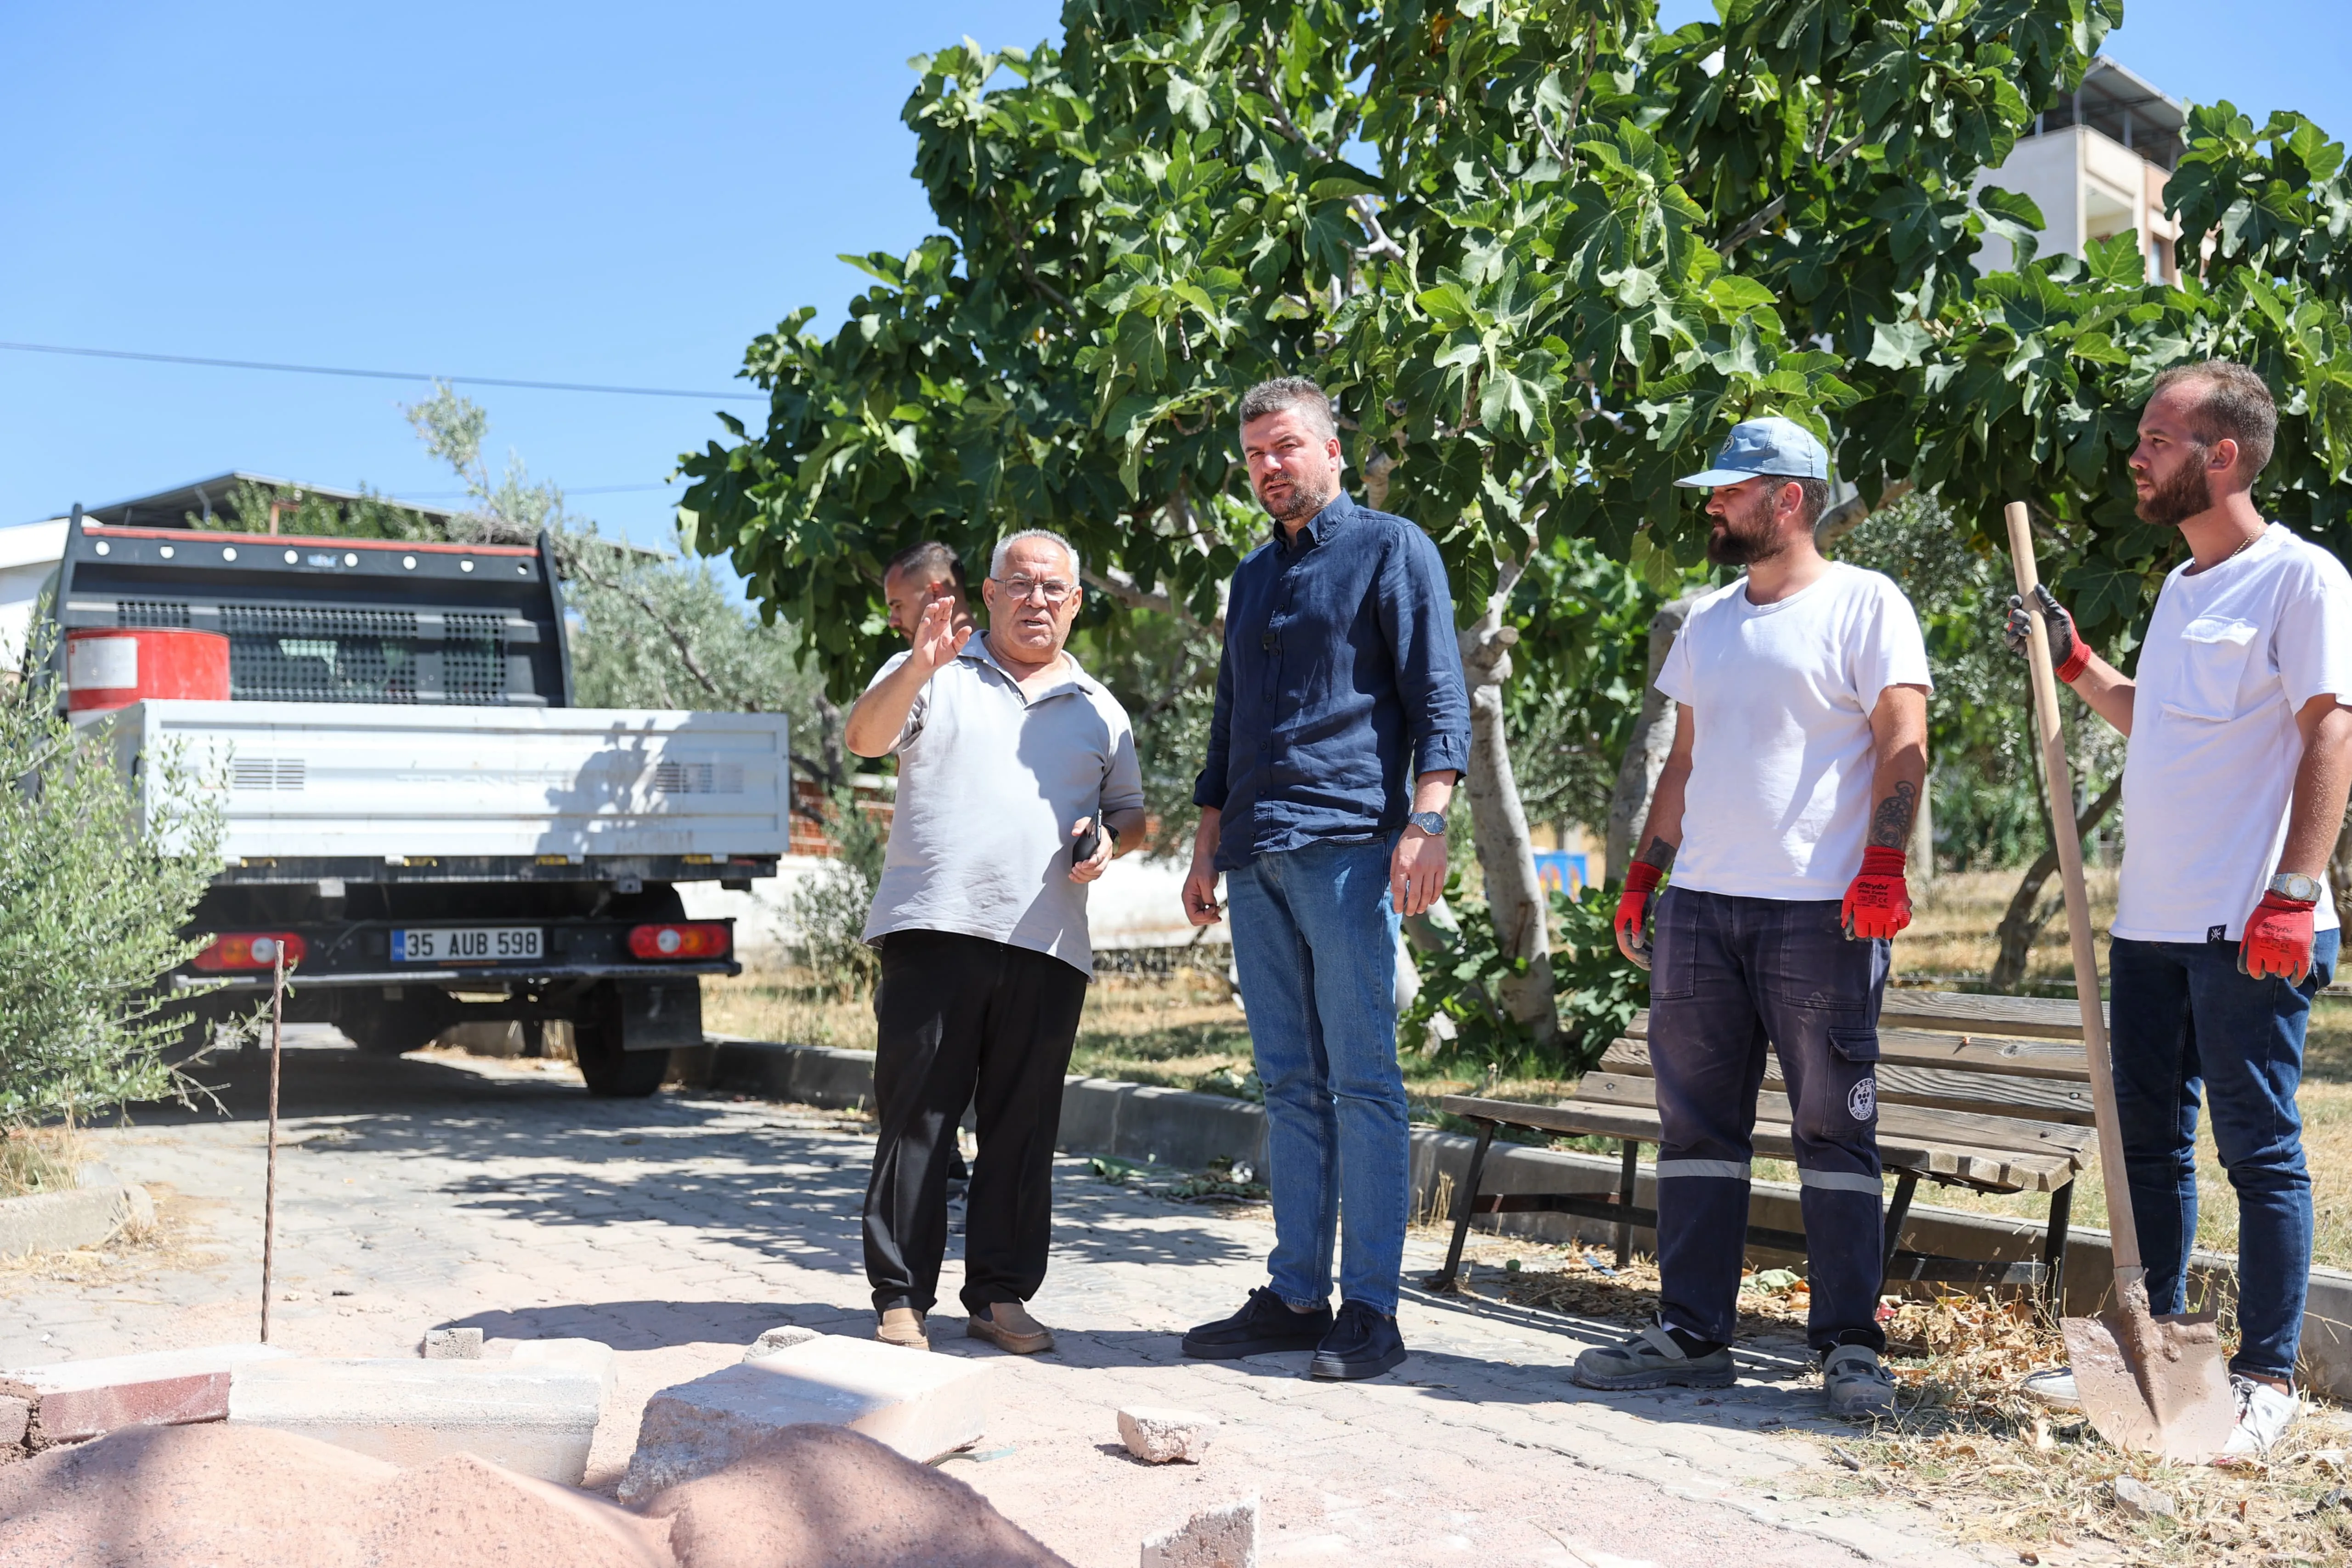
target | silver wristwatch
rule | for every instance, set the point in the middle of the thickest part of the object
(2295, 885)
(1430, 822)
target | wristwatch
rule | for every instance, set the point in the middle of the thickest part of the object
(1430, 822)
(2295, 885)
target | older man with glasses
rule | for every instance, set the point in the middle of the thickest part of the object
(1017, 784)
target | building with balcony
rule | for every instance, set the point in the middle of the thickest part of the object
(2095, 163)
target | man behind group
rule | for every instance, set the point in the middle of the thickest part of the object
(2234, 782)
(1799, 751)
(1340, 677)
(918, 576)
(1008, 753)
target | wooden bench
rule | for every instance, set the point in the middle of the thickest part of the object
(1990, 1093)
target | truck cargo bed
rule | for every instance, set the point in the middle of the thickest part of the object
(386, 792)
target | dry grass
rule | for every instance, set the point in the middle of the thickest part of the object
(1992, 1465)
(123, 1257)
(40, 1159)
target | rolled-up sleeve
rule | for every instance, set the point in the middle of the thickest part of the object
(1215, 781)
(1417, 615)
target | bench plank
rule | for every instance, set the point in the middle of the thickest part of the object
(1957, 1129)
(1963, 1053)
(1942, 1088)
(1983, 1170)
(1950, 1012)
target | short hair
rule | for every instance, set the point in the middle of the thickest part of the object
(1817, 498)
(931, 558)
(996, 558)
(1288, 391)
(2237, 406)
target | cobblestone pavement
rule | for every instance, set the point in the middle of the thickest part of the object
(427, 1191)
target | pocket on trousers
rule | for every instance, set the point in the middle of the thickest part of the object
(1859, 1049)
(1673, 947)
(1855, 1045)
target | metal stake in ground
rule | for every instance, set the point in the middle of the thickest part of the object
(269, 1181)
(2152, 1383)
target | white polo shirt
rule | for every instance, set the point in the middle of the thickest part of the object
(2231, 656)
(1781, 695)
(991, 782)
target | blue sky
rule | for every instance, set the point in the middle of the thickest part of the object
(598, 193)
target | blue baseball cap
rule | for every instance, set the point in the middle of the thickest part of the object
(1771, 444)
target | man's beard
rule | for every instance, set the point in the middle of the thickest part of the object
(1744, 535)
(2174, 501)
(1304, 502)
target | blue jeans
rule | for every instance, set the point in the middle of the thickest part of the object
(1315, 940)
(1728, 976)
(2184, 1021)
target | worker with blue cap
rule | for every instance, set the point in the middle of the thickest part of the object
(1784, 812)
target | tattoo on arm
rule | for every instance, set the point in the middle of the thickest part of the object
(1890, 825)
(1660, 854)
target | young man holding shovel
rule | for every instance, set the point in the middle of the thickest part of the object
(1785, 811)
(2234, 782)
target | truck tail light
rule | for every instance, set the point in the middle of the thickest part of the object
(250, 949)
(691, 939)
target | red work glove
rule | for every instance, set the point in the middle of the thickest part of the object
(1878, 902)
(1633, 920)
(2277, 940)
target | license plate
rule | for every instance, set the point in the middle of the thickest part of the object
(465, 944)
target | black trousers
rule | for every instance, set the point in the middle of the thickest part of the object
(961, 1020)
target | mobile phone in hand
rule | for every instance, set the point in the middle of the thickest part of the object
(1083, 848)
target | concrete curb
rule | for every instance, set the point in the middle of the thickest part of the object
(1186, 1131)
(58, 1222)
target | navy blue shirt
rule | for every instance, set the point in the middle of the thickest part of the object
(1341, 682)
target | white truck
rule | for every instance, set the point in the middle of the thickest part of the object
(414, 815)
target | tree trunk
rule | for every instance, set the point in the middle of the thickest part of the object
(1645, 752)
(1514, 899)
(2023, 922)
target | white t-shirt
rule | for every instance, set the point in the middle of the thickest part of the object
(1781, 694)
(991, 780)
(2231, 656)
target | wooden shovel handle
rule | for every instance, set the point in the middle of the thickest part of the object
(2078, 900)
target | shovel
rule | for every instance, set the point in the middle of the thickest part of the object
(2150, 1384)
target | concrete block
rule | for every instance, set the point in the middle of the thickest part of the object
(1188, 1132)
(1162, 1436)
(592, 1358)
(74, 1400)
(453, 1344)
(922, 1406)
(1221, 1537)
(15, 1419)
(536, 1420)
(1089, 1123)
(783, 1337)
(82, 1217)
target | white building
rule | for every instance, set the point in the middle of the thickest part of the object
(2095, 164)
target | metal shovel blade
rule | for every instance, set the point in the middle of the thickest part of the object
(2153, 1385)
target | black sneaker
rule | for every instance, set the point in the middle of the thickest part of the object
(1266, 1324)
(1362, 1343)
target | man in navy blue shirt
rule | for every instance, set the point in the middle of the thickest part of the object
(1341, 725)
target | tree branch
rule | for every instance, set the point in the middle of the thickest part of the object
(677, 638)
(1780, 204)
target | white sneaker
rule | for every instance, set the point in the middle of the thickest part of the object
(2264, 1416)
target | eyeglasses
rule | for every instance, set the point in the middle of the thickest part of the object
(1021, 588)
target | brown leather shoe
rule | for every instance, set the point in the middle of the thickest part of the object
(1009, 1327)
(903, 1326)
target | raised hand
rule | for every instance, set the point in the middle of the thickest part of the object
(936, 638)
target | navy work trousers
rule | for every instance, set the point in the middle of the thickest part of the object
(1729, 976)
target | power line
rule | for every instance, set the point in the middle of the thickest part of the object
(382, 374)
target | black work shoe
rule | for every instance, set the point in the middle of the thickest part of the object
(1266, 1324)
(1362, 1343)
